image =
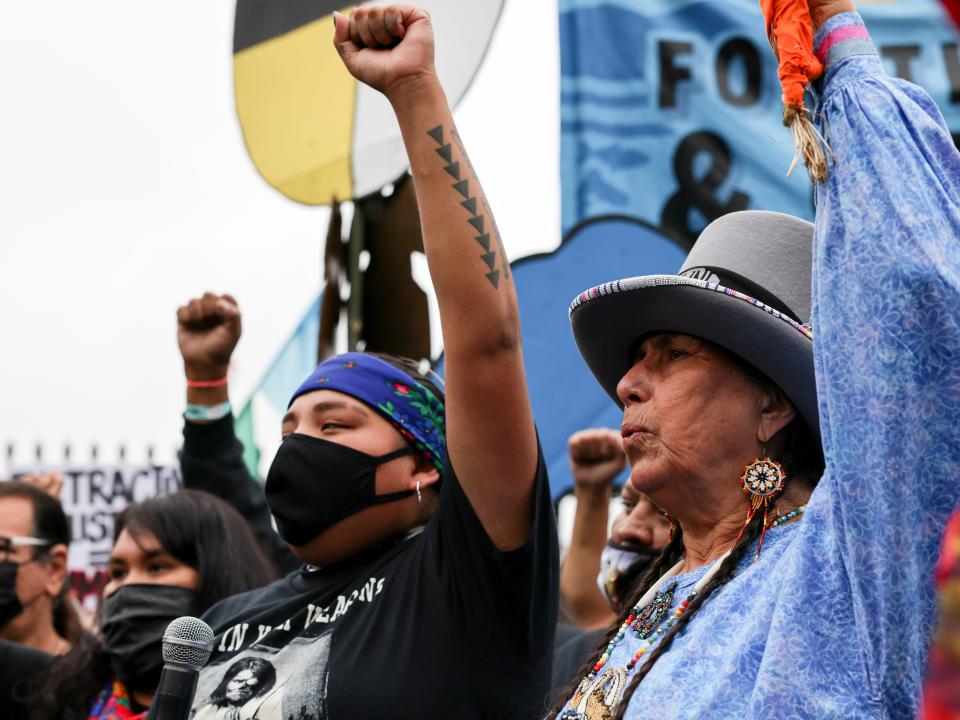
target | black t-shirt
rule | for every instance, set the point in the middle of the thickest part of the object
(20, 667)
(438, 625)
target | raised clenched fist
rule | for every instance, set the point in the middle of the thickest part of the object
(386, 47)
(596, 456)
(208, 329)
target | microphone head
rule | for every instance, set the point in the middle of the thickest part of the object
(187, 641)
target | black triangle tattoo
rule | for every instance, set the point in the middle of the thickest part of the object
(477, 222)
(470, 205)
(463, 187)
(446, 152)
(437, 134)
(454, 170)
(494, 278)
(484, 240)
(490, 259)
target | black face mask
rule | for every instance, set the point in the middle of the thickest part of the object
(132, 623)
(10, 605)
(314, 483)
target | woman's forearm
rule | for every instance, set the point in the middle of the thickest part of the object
(464, 250)
(581, 565)
(491, 439)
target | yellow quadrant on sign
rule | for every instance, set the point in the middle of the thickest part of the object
(296, 102)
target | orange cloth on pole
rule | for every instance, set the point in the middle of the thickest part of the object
(790, 31)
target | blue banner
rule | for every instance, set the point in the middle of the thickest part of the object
(671, 109)
(564, 395)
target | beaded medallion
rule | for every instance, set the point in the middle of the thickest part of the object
(763, 477)
(650, 617)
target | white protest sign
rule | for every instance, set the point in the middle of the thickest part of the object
(91, 497)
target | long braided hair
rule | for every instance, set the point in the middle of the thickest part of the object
(803, 459)
(669, 556)
(723, 575)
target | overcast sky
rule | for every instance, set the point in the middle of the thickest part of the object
(125, 189)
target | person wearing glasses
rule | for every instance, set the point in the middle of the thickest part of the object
(34, 534)
(37, 620)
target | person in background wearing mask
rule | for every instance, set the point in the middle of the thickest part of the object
(37, 618)
(34, 535)
(423, 514)
(599, 572)
(173, 555)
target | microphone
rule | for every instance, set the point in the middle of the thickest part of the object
(187, 643)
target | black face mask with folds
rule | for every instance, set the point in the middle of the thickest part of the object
(314, 484)
(132, 623)
(10, 605)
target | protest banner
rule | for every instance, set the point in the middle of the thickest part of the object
(671, 112)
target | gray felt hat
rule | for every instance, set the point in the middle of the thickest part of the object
(745, 286)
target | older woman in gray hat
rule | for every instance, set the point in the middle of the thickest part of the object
(797, 583)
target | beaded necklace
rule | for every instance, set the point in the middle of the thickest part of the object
(652, 595)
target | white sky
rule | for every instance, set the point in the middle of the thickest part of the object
(125, 189)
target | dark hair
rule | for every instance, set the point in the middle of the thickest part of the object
(199, 530)
(49, 523)
(262, 669)
(802, 458)
(207, 534)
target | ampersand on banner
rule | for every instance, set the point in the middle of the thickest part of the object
(700, 193)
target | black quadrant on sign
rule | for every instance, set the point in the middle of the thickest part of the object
(453, 169)
(470, 205)
(257, 21)
(490, 259)
(484, 240)
(437, 134)
(463, 187)
(446, 152)
(494, 278)
(477, 222)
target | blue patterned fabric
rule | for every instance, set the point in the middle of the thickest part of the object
(412, 409)
(834, 619)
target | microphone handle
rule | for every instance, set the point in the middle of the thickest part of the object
(175, 693)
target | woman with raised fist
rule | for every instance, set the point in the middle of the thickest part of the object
(421, 513)
(791, 398)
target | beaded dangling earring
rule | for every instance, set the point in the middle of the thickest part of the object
(763, 480)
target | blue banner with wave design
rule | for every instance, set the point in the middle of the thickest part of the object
(671, 110)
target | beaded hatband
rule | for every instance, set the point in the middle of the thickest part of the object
(653, 635)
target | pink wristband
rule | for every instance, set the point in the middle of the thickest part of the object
(220, 382)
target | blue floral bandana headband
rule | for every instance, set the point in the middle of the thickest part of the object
(415, 411)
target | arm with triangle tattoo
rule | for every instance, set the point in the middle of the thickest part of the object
(491, 438)
(449, 146)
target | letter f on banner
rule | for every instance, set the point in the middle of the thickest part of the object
(670, 73)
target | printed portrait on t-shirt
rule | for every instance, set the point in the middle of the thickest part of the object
(264, 683)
